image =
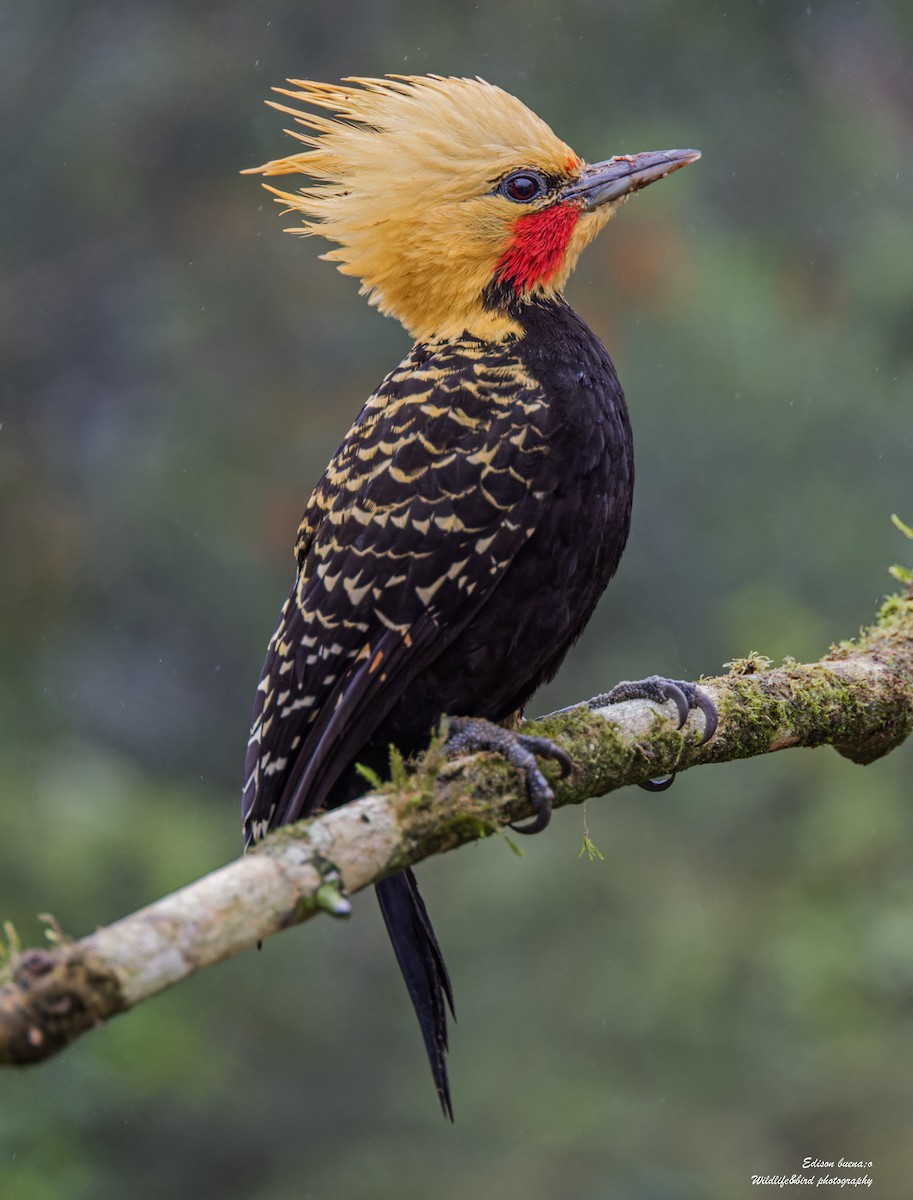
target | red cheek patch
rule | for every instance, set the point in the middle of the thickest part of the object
(537, 246)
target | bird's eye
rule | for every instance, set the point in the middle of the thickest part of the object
(523, 186)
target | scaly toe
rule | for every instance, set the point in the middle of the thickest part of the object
(544, 748)
(657, 688)
(521, 750)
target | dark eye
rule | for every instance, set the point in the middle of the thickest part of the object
(523, 186)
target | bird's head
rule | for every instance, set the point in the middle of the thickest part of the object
(449, 199)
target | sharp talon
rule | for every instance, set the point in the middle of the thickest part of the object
(546, 749)
(469, 734)
(537, 789)
(657, 785)
(537, 824)
(684, 696)
(674, 693)
(711, 716)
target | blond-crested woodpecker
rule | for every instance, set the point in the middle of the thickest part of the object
(459, 540)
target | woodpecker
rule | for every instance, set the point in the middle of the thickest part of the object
(458, 542)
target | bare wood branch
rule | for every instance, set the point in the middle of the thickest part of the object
(858, 699)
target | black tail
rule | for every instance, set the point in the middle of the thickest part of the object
(422, 965)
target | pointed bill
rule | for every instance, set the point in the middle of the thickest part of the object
(626, 173)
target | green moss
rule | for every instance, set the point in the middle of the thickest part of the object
(10, 945)
(890, 639)
(420, 784)
(370, 776)
(597, 750)
(809, 704)
(894, 608)
(459, 816)
(902, 526)
(761, 708)
(753, 664)
(828, 704)
(589, 847)
(749, 714)
(603, 759)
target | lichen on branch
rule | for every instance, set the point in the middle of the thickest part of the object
(859, 698)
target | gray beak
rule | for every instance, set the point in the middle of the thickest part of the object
(625, 173)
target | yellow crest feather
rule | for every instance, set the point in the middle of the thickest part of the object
(403, 174)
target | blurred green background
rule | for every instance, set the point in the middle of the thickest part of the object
(731, 989)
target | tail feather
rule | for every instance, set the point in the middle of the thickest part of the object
(422, 964)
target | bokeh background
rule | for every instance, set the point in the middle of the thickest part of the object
(731, 988)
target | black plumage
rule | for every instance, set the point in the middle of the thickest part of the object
(450, 555)
(460, 538)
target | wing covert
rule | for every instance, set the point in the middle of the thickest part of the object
(439, 483)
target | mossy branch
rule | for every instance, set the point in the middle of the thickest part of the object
(859, 698)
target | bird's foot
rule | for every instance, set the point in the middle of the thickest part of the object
(684, 696)
(466, 735)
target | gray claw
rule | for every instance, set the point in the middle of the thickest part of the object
(684, 696)
(711, 715)
(674, 693)
(468, 734)
(658, 785)
(537, 824)
(547, 749)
